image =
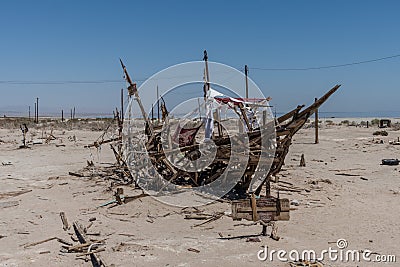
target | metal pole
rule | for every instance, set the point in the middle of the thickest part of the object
(62, 115)
(74, 114)
(316, 124)
(246, 72)
(29, 112)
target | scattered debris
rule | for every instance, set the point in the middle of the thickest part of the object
(197, 217)
(76, 174)
(295, 202)
(253, 239)
(347, 174)
(390, 162)
(306, 263)
(95, 259)
(213, 218)
(382, 133)
(193, 250)
(385, 123)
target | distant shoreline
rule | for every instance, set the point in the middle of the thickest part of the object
(322, 115)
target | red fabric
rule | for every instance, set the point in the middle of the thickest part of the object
(185, 137)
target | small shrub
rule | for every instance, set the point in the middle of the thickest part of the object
(375, 122)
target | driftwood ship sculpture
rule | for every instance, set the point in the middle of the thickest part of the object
(268, 147)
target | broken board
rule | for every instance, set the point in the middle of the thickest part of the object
(268, 209)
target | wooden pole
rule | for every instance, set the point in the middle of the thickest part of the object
(264, 117)
(37, 107)
(74, 114)
(198, 102)
(29, 112)
(316, 124)
(152, 112)
(207, 76)
(71, 114)
(122, 104)
(132, 89)
(34, 119)
(246, 71)
(158, 105)
(62, 115)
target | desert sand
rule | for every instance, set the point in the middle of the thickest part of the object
(345, 193)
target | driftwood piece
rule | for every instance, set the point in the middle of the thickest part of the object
(47, 240)
(14, 193)
(75, 174)
(197, 217)
(98, 144)
(80, 234)
(64, 221)
(214, 218)
(347, 174)
(40, 242)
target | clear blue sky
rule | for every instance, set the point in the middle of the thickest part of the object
(45, 41)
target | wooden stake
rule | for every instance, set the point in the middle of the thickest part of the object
(34, 119)
(264, 117)
(316, 124)
(302, 161)
(64, 221)
(207, 74)
(37, 107)
(254, 207)
(122, 104)
(246, 71)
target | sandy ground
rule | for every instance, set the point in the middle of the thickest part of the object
(363, 208)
